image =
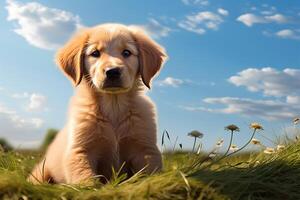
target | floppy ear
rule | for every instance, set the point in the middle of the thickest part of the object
(70, 57)
(151, 56)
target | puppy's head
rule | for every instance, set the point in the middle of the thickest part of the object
(111, 57)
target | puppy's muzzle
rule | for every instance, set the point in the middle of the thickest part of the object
(113, 77)
(113, 73)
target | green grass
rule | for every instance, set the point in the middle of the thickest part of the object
(244, 176)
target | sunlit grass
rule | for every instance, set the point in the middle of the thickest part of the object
(244, 176)
(268, 173)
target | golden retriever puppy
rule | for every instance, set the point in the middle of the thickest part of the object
(110, 120)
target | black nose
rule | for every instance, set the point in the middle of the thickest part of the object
(113, 72)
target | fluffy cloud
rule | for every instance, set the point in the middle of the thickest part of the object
(37, 102)
(22, 128)
(20, 95)
(155, 29)
(265, 109)
(283, 87)
(293, 99)
(48, 28)
(16, 127)
(222, 11)
(249, 19)
(43, 27)
(18, 121)
(288, 34)
(202, 21)
(270, 81)
(172, 82)
(196, 2)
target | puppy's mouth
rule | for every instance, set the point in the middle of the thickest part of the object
(113, 86)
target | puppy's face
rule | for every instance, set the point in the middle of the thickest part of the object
(111, 57)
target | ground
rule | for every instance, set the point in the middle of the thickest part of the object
(244, 176)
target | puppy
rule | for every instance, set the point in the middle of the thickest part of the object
(110, 120)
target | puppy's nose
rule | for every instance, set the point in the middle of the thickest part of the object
(113, 72)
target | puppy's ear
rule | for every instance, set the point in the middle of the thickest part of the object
(151, 55)
(70, 57)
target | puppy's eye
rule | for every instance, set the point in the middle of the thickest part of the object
(126, 53)
(95, 53)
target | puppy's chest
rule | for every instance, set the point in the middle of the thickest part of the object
(121, 126)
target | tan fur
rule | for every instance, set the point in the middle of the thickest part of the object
(105, 128)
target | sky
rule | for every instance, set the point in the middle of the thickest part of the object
(230, 62)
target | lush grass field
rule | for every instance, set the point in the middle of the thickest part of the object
(244, 176)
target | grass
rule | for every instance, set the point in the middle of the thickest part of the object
(242, 176)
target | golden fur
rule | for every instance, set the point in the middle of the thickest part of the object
(106, 127)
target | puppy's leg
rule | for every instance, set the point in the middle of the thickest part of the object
(147, 158)
(78, 167)
(82, 165)
(40, 174)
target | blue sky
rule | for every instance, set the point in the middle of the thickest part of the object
(234, 62)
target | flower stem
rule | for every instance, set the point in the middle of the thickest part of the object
(228, 149)
(225, 155)
(230, 143)
(194, 144)
(245, 144)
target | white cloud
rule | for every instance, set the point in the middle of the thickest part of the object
(192, 27)
(22, 128)
(170, 81)
(201, 21)
(15, 127)
(223, 12)
(20, 95)
(37, 102)
(249, 19)
(155, 29)
(196, 2)
(41, 26)
(270, 81)
(288, 34)
(11, 119)
(293, 99)
(278, 18)
(30, 144)
(265, 109)
(282, 86)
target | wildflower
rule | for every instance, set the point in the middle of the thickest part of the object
(220, 143)
(232, 128)
(195, 134)
(174, 167)
(255, 141)
(280, 147)
(233, 147)
(256, 126)
(269, 150)
(212, 155)
(296, 120)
